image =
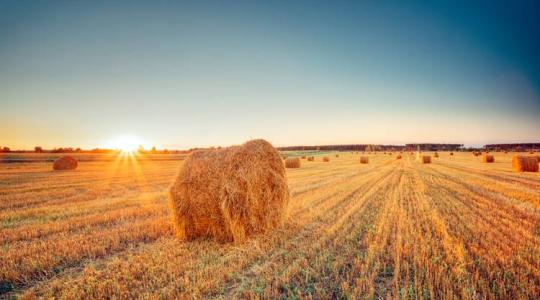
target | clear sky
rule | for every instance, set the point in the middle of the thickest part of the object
(181, 74)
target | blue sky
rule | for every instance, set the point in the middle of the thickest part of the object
(181, 74)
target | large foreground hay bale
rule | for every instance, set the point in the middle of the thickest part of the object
(311, 158)
(364, 160)
(488, 158)
(522, 163)
(326, 159)
(292, 162)
(65, 163)
(425, 159)
(230, 193)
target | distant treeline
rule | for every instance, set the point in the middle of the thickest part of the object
(353, 147)
(371, 147)
(95, 150)
(513, 147)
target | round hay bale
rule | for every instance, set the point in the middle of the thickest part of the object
(522, 163)
(364, 160)
(292, 162)
(65, 163)
(311, 158)
(436, 154)
(425, 159)
(451, 153)
(304, 157)
(398, 156)
(326, 159)
(337, 155)
(229, 194)
(488, 158)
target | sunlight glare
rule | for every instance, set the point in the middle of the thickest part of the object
(126, 143)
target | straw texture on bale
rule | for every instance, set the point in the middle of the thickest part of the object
(230, 193)
(488, 158)
(425, 159)
(292, 162)
(65, 163)
(311, 158)
(364, 160)
(326, 159)
(522, 163)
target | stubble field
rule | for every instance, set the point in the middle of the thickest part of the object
(456, 228)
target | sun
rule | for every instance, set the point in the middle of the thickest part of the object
(126, 143)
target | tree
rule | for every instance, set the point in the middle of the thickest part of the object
(6, 150)
(38, 149)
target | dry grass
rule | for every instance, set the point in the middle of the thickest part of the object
(425, 159)
(293, 162)
(65, 163)
(522, 163)
(487, 158)
(231, 193)
(457, 229)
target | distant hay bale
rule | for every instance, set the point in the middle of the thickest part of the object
(488, 158)
(65, 163)
(451, 153)
(304, 157)
(311, 158)
(436, 154)
(326, 159)
(292, 162)
(364, 160)
(425, 159)
(398, 156)
(522, 163)
(229, 194)
(337, 155)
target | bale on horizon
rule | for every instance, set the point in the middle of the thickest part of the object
(292, 162)
(311, 158)
(425, 159)
(486, 158)
(522, 163)
(326, 159)
(231, 193)
(364, 160)
(65, 163)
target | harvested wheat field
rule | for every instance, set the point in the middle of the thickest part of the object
(455, 228)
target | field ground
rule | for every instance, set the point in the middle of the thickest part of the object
(456, 228)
